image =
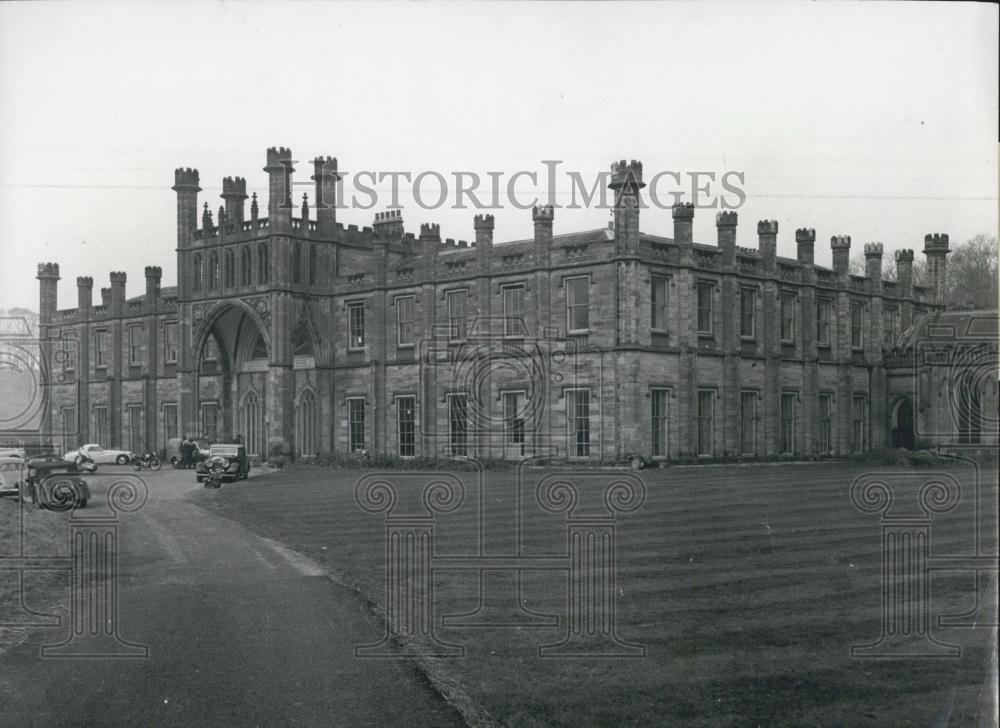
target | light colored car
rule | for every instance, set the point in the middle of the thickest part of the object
(12, 474)
(13, 452)
(99, 455)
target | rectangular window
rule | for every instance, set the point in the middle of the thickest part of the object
(170, 425)
(456, 313)
(513, 417)
(658, 299)
(859, 422)
(857, 320)
(101, 430)
(890, 327)
(101, 348)
(313, 263)
(787, 317)
(133, 420)
(134, 345)
(577, 304)
(513, 311)
(69, 429)
(170, 342)
(748, 423)
(210, 421)
(705, 294)
(68, 346)
(405, 320)
(824, 431)
(406, 408)
(356, 320)
(658, 399)
(458, 424)
(748, 303)
(823, 321)
(356, 423)
(788, 424)
(706, 421)
(578, 421)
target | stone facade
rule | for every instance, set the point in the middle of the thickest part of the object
(304, 336)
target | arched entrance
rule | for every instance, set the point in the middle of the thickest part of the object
(903, 425)
(232, 360)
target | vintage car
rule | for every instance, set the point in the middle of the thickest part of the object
(13, 452)
(55, 484)
(12, 473)
(174, 450)
(238, 467)
(99, 455)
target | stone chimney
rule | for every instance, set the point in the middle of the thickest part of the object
(84, 294)
(936, 250)
(683, 214)
(767, 242)
(873, 266)
(725, 227)
(325, 176)
(841, 247)
(626, 181)
(234, 192)
(805, 244)
(389, 224)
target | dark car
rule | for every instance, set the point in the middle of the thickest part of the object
(55, 484)
(238, 467)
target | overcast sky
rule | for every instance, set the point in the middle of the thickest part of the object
(872, 120)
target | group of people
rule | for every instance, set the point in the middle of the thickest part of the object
(190, 452)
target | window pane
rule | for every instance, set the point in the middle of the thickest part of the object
(705, 291)
(406, 407)
(748, 422)
(659, 413)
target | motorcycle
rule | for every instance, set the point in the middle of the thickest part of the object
(217, 466)
(146, 460)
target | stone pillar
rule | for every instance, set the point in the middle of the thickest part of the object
(904, 287)
(279, 175)
(85, 298)
(805, 242)
(840, 245)
(118, 361)
(767, 244)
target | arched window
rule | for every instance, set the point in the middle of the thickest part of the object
(229, 269)
(263, 265)
(196, 273)
(250, 421)
(305, 425)
(313, 263)
(296, 262)
(246, 261)
(213, 271)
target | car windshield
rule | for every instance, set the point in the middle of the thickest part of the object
(225, 450)
(9, 466)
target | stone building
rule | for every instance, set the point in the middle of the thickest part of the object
(307, 337)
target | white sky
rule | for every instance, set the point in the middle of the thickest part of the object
(873, 120)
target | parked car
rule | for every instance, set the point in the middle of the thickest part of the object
(239, 465)
(13, 452)
(99, 455)
(55, 484)
(12, 473)
(174, 450)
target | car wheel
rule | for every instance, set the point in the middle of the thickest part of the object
(122, 459)
(175, 462)
(154, 464)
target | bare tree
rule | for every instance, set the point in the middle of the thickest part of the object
(971, 280)
(857, 268)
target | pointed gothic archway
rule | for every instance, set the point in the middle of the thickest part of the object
(232, 354)
(903, 425)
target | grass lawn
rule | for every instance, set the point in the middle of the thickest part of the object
(44, 534)
(746, 585)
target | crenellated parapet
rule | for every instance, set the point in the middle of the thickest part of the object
(48, 271)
